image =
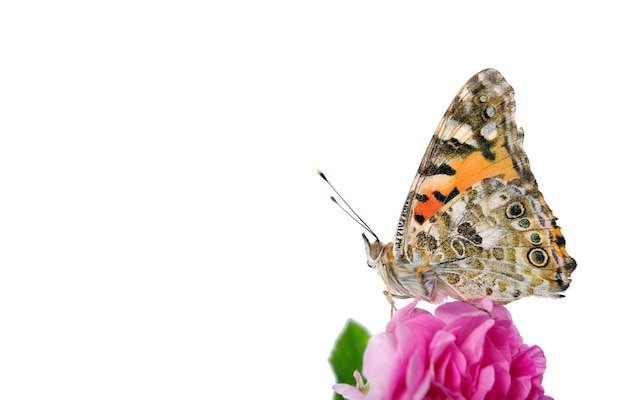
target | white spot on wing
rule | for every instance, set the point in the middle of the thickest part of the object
(489, 131)
(454, 129)
(492, 236)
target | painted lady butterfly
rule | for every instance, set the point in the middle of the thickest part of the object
(474, 223)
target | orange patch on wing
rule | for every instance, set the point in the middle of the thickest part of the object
(428, 208)
(438, 183)
(476, 168)
(469, 171)
(559, 250)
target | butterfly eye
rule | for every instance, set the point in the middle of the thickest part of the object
(538, 257)
(375, 250)
(515, 210)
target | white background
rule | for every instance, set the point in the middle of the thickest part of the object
(163, 232)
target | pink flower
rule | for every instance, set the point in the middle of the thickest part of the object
(459, 353)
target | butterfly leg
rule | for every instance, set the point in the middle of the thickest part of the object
(389, 298)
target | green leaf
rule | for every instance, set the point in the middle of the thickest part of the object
(347, 356)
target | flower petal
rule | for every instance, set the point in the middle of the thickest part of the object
(484, 383)
(349, 392)
(463, 351)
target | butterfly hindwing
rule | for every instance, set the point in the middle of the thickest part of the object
(498, 240)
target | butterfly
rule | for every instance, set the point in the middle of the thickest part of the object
(474, 224)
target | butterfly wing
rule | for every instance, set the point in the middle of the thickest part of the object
(476, 144)
(475, 140)
(499, 240)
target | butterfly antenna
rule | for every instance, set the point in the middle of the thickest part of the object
(352, 214)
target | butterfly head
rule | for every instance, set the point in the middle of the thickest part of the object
(380, 256)
(373, 251)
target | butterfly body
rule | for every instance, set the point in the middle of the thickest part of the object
(474, 223)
